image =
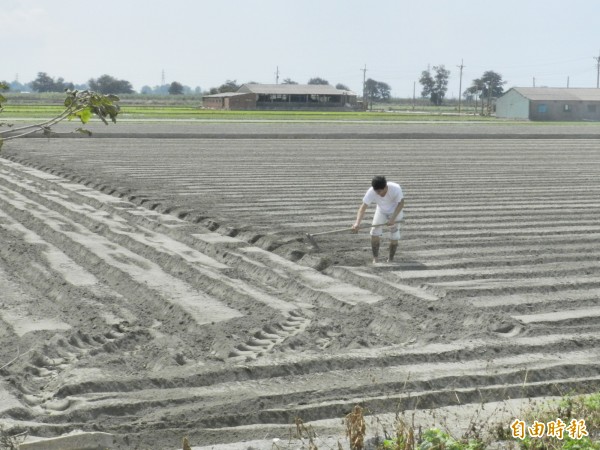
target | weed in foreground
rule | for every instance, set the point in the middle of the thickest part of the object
(407, 436)
(571, 424)
(303, 432)
(404, 436)
(10, 441)
(356, 428)
(581, 413)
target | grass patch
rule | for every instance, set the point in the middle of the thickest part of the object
(189, 107)
(140, 107)
(573, 423)
(404, 434)
(20, 111)
(192, 113)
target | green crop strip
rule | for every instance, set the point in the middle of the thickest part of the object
(191, 113)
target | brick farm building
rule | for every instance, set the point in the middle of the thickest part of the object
(288, 97)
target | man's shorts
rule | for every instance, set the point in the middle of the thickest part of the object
(380, 217)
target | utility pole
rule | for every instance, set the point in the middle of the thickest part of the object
(490, 93)
(277, 76)
(414, 94)
(533, 81)
(162, 78)
(460, 84)
(365, 102)
(597, 70)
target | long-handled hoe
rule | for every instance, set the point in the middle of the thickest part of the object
(311, 237)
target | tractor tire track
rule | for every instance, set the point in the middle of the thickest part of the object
(494, 294)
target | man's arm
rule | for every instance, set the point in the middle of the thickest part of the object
(359, 216)
(397, 211)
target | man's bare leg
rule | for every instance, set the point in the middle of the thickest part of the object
(375, 247)
(393, 248)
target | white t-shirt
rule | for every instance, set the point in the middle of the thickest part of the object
(388, 203)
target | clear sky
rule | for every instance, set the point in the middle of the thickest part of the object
(206, 42)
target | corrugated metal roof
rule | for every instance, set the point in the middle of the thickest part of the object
(227, 94)
(559, 94)
(294, 89)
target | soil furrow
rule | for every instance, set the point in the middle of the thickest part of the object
(164, 287)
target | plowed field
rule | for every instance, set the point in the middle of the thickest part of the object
(154, 287)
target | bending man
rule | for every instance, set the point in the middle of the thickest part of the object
(390, 203)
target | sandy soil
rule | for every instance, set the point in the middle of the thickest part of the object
(160, 287)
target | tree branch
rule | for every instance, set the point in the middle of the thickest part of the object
(61, 116)
(80, 104)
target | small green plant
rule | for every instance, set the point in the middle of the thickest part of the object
(404, 438)
(435, 439)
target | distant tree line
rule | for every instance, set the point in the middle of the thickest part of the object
(434, 86)
(488, 86)
(174, 88)
(45, 83)
(15, 86)
(377, 90)
(105, 84)
(228, 86)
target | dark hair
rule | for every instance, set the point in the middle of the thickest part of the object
(378, 182)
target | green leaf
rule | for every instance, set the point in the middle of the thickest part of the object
(85, 115)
